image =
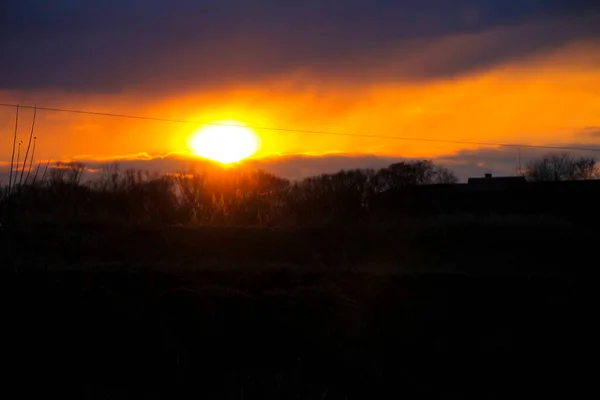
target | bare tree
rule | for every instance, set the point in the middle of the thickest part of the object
(562, 167)
(14, 147)
(444, 176)
(28, 147)
(410, 173)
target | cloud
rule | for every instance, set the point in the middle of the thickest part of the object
(113, 45)
(287, 166)
(591, 131)
(294, 167)
(301, 166)
(505, 160)
(499, 161)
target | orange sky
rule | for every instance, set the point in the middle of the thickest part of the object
(552, 98)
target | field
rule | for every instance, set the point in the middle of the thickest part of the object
(299, 200)
(441, 310)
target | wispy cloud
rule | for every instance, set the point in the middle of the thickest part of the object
(591, 131)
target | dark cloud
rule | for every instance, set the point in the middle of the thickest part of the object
(502, 161)
(505, 160)
(108, 45)
(299, 167)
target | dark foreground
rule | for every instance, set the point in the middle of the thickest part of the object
(485, 312)
(123, 333)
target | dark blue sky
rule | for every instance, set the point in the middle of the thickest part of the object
(107, 45)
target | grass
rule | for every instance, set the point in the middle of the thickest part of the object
(491, 245)
(446, 306)
(287, 334)
(441, 310)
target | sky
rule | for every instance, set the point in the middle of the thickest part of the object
(494, 71)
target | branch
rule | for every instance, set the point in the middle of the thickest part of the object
(28, 145)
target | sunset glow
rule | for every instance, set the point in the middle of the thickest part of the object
(226, 142)
(451, 79)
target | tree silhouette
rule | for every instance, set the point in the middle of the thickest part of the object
(411, 173)
(229, 197)
(562, 167)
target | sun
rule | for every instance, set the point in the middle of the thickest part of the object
(224, 142)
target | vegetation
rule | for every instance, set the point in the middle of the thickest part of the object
(237, 284)
(212, 196)
(130, 333)
(562, 167)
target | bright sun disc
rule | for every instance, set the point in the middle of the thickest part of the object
(226, 143)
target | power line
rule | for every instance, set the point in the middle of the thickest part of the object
(313, 132)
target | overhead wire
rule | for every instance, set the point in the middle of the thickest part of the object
(307, 131)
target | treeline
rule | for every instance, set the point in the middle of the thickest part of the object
(562, 167)
(213, 195)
